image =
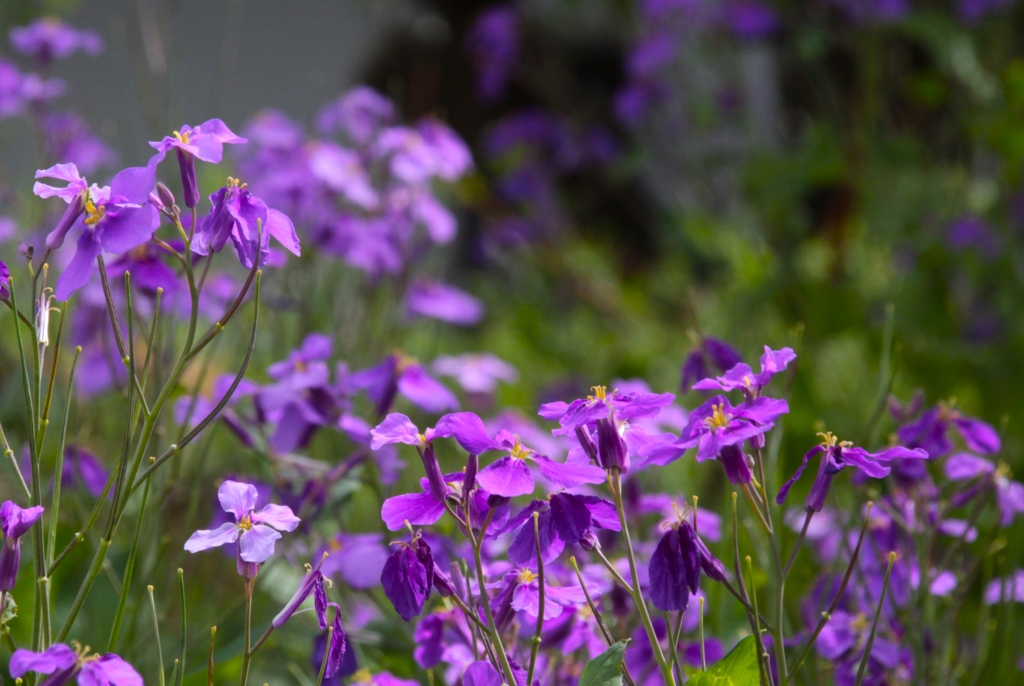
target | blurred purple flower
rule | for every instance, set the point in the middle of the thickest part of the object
(11, 101)
(711, 351)
(930, 432)
(493, 44)
(476, 373)
(750, 19)
(1009, 589)
(68, 137)
(868, 11)
(742, 377)
(360, 114)
(82, 467)
(49, 38)
(399, 374)
(441, 301)
(973, 11)
(356, 558)
(1009, 494)
(972, 231)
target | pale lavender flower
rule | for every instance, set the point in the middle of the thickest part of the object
(442, 301)
(476, 373)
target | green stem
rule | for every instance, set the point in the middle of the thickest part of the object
(327, 651)
(83, 591)
(59, 468)
(492, 629)
(615, 484)
(156, 630)
(540, 606)
(184, 628)
(627, 677)
(246, 651)
(129, 569)
(874, 625)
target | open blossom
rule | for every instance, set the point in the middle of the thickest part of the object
(510, 476)
(205, 142)
(14, 523)
(245, 219)
(112, 219)
(399, 374)
(255, 532)
(1009, 494)
(63, 664)
(743, 378)
(48, 38)
(476, 373)
(930, 432)
(836, 455)
(564, 518)
(718, 430)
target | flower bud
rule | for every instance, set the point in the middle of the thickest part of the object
(469, 480)
(736, 467)
(611, 449)
(75, 209)
(438, 488)
(5, 282)
(496, 501)
(442, 583)
(189, 187)
(165, 195)
(587, 443)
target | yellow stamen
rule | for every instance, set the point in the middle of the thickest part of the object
(94, 214)
(719, 418)
(235, 183)
(1004, 471)
(526, 576)
(245, 523)
(520, 451)
(363, 676)
(600, 393)
(183, 137)
(830, 441)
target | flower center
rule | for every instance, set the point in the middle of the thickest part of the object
(600, 393)
(1004, 471)
(859, 623)
(520, 451)
(183, 137)
(235, 183)
(830, 441)
(94, 213)
(245, 523)
(363, 676)
(719, 418)
(948, 411)
(526, 576)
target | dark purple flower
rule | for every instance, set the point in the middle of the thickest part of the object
(493, 43)
(62, 664)
(339, 645)
(14, 523)
(400, 374)
(743, 378)
(239, 215)
(869, 11)
(476, 373)
(205, 142)
(930, 432)
(5, 281)
(836, 455)
(311, 584)
(255, 532)
(718, 430)
(565, 518)
(48, 38)
(444, 302)
(711, 351)
(408, 576)
(674, 568)
(972, 231)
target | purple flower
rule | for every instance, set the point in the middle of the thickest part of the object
(113, 219)
(742, 377)
(48, 39)
(81, 466)
(255, 532)
(493, 43)
(867, 11)
(476, 373)
(509, 476)
(1009, 494)
(972, 231)
(711, 351)
(836, 455)
(400, 374)
(360, 114)
(357, 558)
(519, 591)
(973, 11)
(563, 519)
(342, 171)
(415, 155)
(69, 138)
(481, 673)
(930, 432)
(311, 584)
(239, 215)
(1009, 589)
(206, 142)
(408, 576)
(5, 281)
(12, 100)
(444, 302)
(718, 430)
(674, 568)
(750, 19)
(14, 523)
(63, 664)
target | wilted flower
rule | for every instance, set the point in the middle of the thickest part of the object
(255, 532)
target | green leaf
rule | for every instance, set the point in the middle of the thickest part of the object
(606, 668)
(10, 610)
(738, 668)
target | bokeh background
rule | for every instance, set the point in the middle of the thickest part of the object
(839, 176)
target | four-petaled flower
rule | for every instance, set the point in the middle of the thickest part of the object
(205, 142)
(742, 377)
(930, 432)
(63, 664)
(255, 532)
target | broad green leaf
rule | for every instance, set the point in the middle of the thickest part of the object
(606, 668)
(738, 668)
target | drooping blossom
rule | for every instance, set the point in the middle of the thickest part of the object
(742, 377)
(14, 523)
(63, 664)
(476, 373)
(564, 518)
(675, 566)
(49, 38)
(312, 584)
(245, 219)
(493, 44)
(442, 301)
(399, 374)
(112, 219)
(205, 142)
(930, 432)
(1009, 494)
(255, 532)
(408, 577)
(718, 430)
(836, 456)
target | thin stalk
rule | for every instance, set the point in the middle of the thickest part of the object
(540, 611)
(246, 651)
(763, 660)
(874, 625)
(59, 468)
(129, 569)
(83, 591)
(492, 629)
(700, 626)
(209, 663)
(9, 454)
(798, 545)
(156, 629)
(327, 651)
(827, 615)
(184, 629)
(600, 620)
(615, 484)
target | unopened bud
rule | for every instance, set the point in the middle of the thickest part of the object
(165, 195)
